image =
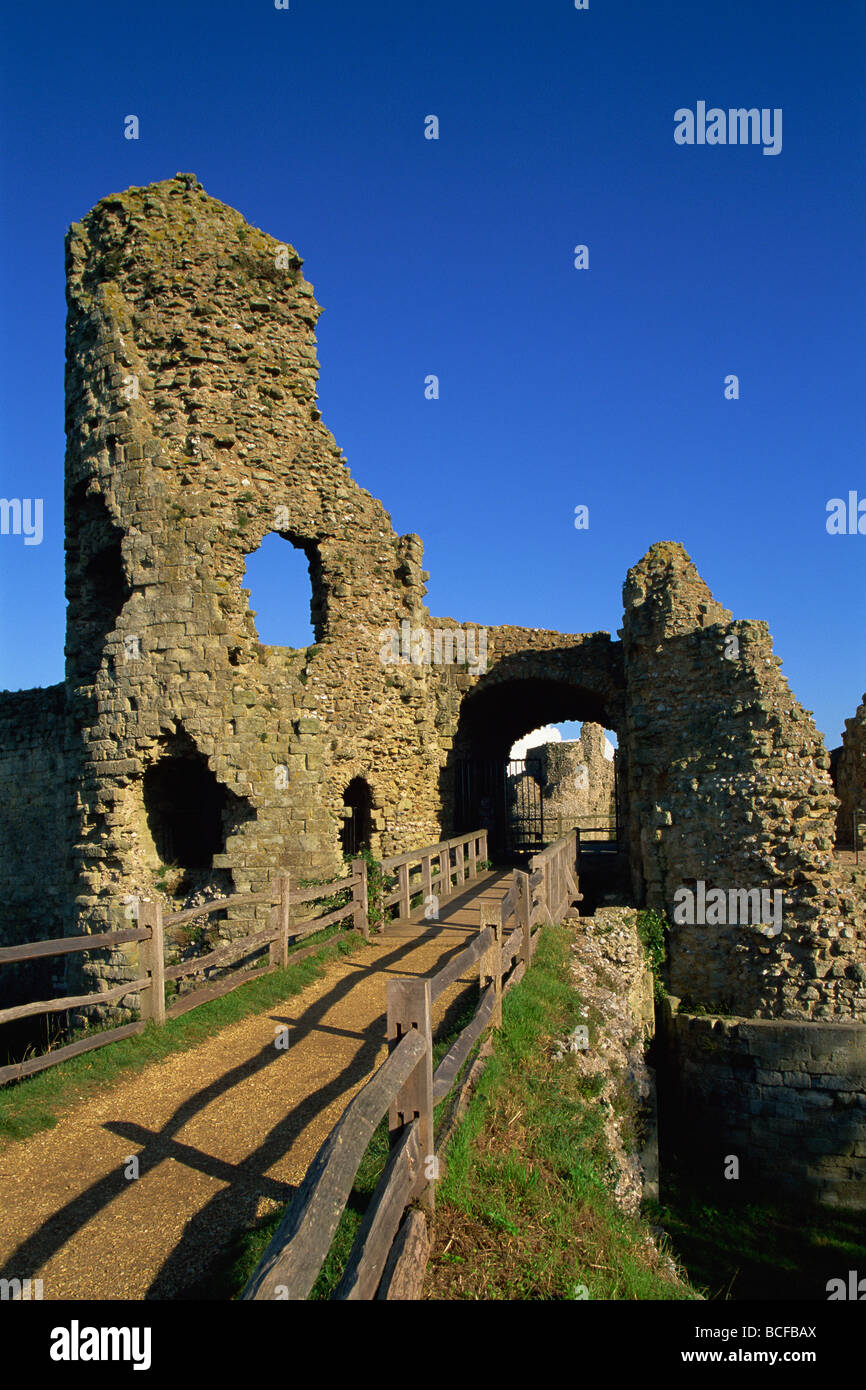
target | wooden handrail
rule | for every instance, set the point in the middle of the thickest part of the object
(215, 905)
(381, 1219)
(394, 860)
(457, 966)
(447, 1070)
(65, 945)
(73, 1001)
(232, 950)
(16, 1071)
(295, 1255)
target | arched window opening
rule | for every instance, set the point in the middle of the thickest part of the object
(284, 578)
(189, 813)
(357, 824)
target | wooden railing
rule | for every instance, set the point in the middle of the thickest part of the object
(432, 865)
(153, 972)
(558, 866)
(406, 1085)
(430, 870)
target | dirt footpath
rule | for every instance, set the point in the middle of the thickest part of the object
(222, 1133)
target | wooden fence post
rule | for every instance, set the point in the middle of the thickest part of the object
(409, 1006)
(281, 916)
(444, 872)
(359, 896)
(490, 964)
(151, 959)
(403, 885)
(461, 870)
(483, 844)
(473, 858)
(544, 902)
(524, 916)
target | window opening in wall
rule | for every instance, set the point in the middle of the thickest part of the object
(96, 584)
(284, 581)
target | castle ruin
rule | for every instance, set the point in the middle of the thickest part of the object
(178, 738)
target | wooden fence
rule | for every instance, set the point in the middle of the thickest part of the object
(387, 1257)
(558, 866)
(154, 974)
(429, 871)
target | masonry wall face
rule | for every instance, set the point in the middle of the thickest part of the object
(578, 779)
(35, 822)
(729, 785)
(193, 432)
(851, 781)
(786, 1099)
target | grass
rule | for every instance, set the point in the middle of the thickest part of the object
(743, 1249)
(524, 1210)
(36, 1103)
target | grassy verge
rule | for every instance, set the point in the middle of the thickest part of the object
(37, 1102)
(524, 1210)
(738, 1249)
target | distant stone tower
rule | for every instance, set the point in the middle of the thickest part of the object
(851, 781)
(578, 780)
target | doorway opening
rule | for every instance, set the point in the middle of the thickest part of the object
(358, 822)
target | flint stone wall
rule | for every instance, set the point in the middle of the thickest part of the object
(35, 822)
(728, 783)
(578, 779)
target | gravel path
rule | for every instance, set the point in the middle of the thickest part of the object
(223, 1133)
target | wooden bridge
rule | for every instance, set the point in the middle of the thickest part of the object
(236, 1127)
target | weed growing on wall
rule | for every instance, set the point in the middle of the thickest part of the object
(653, 928)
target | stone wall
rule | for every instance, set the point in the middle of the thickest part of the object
(577, 778)
(786, 1099)
(728, 784)
(851, 780)
(194, 433)
(34, 831)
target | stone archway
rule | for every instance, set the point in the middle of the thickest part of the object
(500, 709)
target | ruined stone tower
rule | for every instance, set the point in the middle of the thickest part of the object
(192, 433)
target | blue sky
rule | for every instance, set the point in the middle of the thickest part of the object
(558, 386)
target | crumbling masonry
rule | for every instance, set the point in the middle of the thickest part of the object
(177, 737)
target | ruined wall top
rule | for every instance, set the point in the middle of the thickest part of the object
(664, 596)
(193, 428)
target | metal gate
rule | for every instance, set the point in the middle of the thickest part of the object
(506, 799)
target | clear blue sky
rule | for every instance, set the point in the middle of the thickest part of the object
(558, 387)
